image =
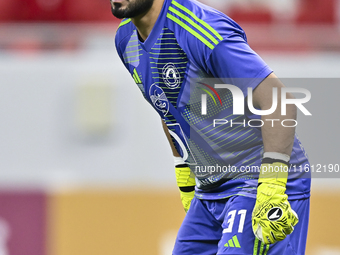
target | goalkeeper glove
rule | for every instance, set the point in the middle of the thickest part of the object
(273, 218)
(186, 183)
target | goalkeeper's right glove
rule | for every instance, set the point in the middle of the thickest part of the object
(186, 183)
(273, 218)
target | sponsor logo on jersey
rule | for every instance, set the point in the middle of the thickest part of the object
(159, 99)
(171, 76)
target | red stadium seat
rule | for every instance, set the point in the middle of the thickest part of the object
(317, 11)
(311, 11)
(255, 14)
(55, 10)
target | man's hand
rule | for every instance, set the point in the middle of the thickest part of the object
(273, 218)
(186, 183)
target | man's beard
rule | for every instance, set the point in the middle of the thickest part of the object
(133, 9)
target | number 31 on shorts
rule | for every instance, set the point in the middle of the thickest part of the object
(231, 218)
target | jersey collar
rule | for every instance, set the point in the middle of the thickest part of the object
(157, 29)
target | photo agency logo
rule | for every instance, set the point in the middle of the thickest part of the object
(239, 101)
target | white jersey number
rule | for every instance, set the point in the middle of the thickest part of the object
(230, 222)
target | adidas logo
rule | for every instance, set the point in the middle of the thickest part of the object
(233, 242)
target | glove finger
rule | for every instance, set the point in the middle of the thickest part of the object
(288, 230)
(295, 218)
(268, 239)
(282, 234)
(258, 233)
(274, 237)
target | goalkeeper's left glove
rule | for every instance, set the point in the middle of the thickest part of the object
(273, 218)
(186, 183)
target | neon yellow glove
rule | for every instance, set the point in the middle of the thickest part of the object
(186, 183)
(273, 218)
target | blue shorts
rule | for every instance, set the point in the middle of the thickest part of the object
(224, 227)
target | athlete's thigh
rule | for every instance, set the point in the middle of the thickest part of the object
(238, 237)
(200, 232)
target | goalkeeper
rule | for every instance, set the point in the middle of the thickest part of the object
(171, 48)
(271, 216)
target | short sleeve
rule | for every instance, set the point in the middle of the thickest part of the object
(234, 62)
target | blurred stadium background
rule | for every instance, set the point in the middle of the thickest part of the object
(84, 165)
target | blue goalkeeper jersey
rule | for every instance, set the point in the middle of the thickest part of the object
(190, 44)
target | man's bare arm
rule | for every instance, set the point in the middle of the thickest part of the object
(278, 142)
(276, 138)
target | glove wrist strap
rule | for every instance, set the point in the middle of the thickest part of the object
(187, 189)
(276, 155)
(274, 171)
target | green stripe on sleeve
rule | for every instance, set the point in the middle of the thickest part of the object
(138, 79)
(190, 30)
(197, 19)
(137, 76)
(135, 72)
(187, 19)
(134, 77)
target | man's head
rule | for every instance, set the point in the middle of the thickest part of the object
(130, 8)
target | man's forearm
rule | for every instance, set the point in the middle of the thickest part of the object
(276, 137)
